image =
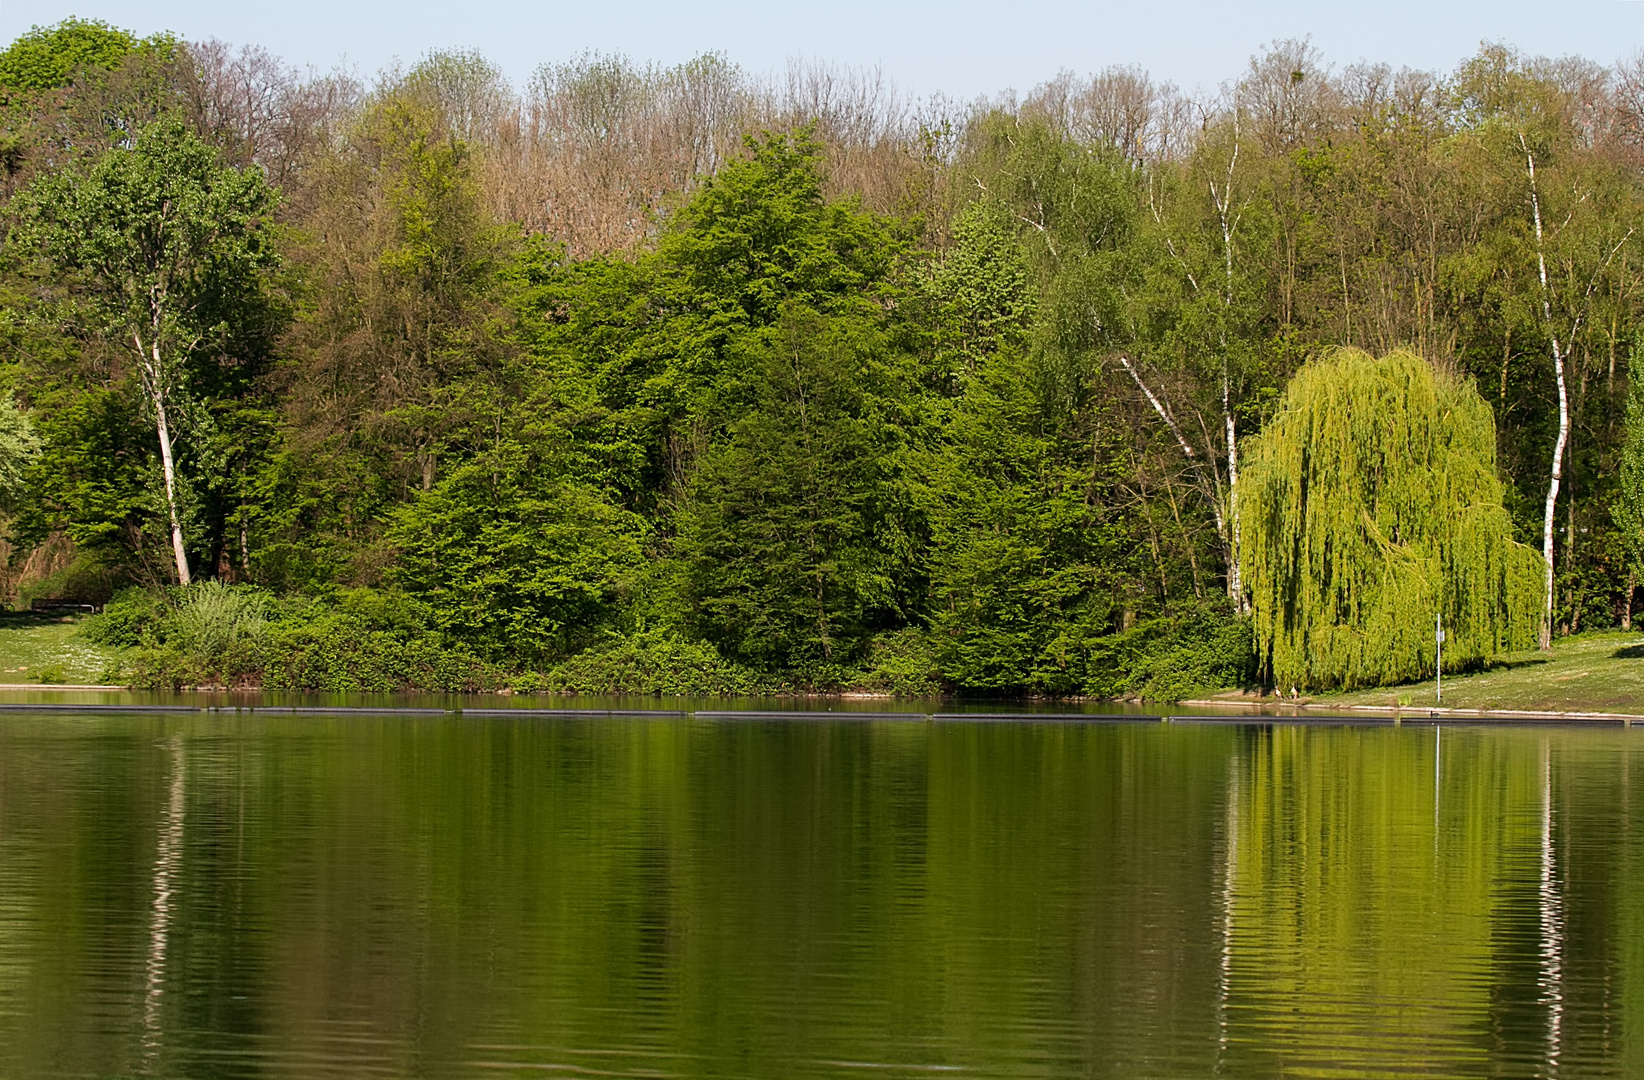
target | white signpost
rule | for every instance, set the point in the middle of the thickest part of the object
(1438, 675)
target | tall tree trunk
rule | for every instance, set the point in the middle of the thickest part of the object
(1563, 410)
(1228, 221)
(1235, 576)
(1206, 487)
(162, 427)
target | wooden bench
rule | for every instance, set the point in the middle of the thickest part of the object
(43, 604)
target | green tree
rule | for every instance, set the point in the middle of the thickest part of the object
(46, 57)
(750, 385)
(19, 447)
(165, 253)
(401, 347)
(516, 553)
(798, 536)
(1628, 510)
(1372, 503)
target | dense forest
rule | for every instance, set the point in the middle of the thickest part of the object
(679, 379)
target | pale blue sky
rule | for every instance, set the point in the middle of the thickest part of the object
(961, 47)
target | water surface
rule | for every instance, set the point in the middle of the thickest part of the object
(226, 896)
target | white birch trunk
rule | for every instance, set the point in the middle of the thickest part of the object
(152, 371)
(1210, 493)
(1235, 576)
(1224, 204)
(1563, 410)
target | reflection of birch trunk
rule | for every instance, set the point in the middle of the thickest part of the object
(1438, 775)
(1230, 858)
(1551, 906)
(167, 862)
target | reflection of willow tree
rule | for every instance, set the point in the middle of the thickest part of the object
(1367, 895)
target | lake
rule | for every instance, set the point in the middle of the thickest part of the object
(212, 895)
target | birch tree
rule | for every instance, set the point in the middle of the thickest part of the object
(165, 251)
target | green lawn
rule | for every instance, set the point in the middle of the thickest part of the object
(1599, 672)
(46, 648)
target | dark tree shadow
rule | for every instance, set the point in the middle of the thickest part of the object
(1512, 665)
(1629, 652)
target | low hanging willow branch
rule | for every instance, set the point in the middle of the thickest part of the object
(1370, 503)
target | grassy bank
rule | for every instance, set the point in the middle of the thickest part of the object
(48, 649)
(1599, 672)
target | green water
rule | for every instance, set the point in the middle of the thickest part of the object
(207, 896)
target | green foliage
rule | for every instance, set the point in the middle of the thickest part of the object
(47, 56)
(1171, 659)
(19, 447)
(1028, 561)
(132, 617)
(211, 634)
(205, 634)
(161, 255)
(212, 619)
(759, 235)
(162, 230)
(1371, 502)
(656, 661)
(796, 537)
(400, 364)
(348, 650)
(981, 289)
(522, 564)
(1628, 510)
(901, 663)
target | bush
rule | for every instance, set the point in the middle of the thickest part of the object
(901, 663)
(212, 619)
(656, 662)
(1167, 659)
(132, 618)
(212, 634)
(1200, 655)
(203, 634)
(345, 651)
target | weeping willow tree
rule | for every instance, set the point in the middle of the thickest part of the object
(1369, 504)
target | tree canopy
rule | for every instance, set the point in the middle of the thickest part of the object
(1371, 504)
(681, 373)
(46, 57)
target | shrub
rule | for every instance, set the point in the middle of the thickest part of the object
(656, 662)
(901, 663)
(214, 634)
(212, 619)
(131, 618)
(1170, 658)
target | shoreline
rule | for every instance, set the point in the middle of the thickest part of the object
(1217, 711)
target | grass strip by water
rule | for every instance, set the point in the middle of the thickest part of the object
(1590, 673)
(46, 649)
